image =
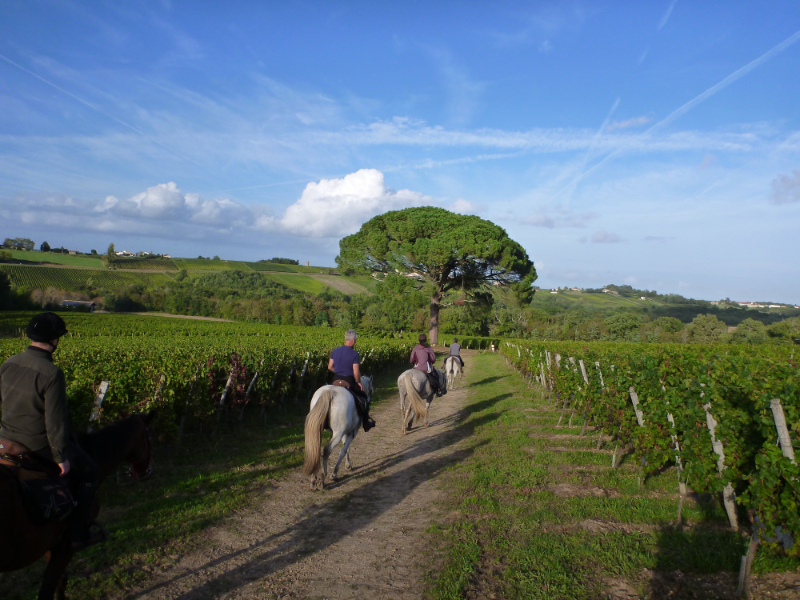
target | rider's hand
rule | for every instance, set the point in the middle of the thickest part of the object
(361, 386)
(64, 467)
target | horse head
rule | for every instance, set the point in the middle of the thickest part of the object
(140, 456)
(367, 384)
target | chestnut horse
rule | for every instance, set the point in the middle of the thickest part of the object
(23, 541)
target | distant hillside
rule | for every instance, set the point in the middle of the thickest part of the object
(654, 305)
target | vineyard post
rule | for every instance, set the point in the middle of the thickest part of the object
(681, 484)
(572, 396)
(249, 391)
(98, 403)
(640, 421)
(586, 381)
(783, 432)
(224, 397)
(728, 495)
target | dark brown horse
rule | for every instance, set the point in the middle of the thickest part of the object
(23, 542)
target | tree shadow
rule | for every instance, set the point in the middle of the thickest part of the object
(488, 380)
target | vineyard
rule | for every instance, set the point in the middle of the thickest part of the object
(75, 279)
(717, 415)
(145, 264)
(191, 369)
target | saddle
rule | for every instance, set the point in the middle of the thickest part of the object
(361, 402)
(46, 496)
(341, 383)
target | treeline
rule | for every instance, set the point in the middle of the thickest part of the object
(400, 304)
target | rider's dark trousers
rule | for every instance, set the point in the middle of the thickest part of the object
(360, 397)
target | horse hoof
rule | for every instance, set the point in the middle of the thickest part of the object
(349, 467)
(334, 477)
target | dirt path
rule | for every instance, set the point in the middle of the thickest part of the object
(363, 537)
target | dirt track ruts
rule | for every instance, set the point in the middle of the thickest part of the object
(363, 537)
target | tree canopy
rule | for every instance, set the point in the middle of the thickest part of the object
(462, 256)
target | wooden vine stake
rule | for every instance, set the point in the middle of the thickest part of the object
(586, 381)
(728, 495)
(98, 403)
(783, 431)
(225, 393)
(788, 451)
(640, 420)
(250, 390)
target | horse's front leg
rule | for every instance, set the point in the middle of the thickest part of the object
(54, 582)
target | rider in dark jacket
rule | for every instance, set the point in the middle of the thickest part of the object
(35, 414)
(345, 363)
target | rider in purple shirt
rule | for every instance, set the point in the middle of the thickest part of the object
(345, 363)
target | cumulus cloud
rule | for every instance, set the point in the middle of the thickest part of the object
(338, 207)
(786, 188)
(565, 219)
(464, 206)
(625, 124)
(605, 237)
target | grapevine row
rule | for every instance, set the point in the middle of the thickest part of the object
(710, 411)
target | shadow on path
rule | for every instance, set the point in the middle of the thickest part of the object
(323, 525)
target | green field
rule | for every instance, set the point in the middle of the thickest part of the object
(40, 278)
(304, 283)
(259, 266)
(92, 262)
(145, 264)
(203, 264)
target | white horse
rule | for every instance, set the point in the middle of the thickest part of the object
(414, 386)
(452, 367)
(334, 408)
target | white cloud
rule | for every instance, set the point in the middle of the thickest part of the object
(565, 219)
(786, 188)
(464, 206)
(338, 207)
(605, 237)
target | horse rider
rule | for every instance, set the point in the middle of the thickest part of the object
(35, 415)
(455, 350)
(345, 363)
(422, 357)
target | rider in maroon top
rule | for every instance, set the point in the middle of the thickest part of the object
(422, 357)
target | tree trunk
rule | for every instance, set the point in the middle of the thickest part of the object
(433, 333)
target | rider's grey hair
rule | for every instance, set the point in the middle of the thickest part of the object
(350, 335)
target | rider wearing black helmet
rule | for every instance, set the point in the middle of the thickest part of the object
(35, 415)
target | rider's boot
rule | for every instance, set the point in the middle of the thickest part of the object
(83, 530)
(366, 421)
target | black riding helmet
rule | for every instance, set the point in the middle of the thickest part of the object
(46, 327)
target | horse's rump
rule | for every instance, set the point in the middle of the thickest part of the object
(417, 403)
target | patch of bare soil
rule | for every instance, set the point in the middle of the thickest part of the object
(362, 537)
(719, 586)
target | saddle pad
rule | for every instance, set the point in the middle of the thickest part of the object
(47, 500)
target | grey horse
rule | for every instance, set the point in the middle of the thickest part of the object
(334, 408)
(416, 395)
(452, 366)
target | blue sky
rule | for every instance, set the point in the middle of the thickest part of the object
(649, 143)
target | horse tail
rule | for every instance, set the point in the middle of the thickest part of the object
(417, 403)
(315, 423)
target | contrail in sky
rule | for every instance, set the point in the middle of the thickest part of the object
(665, 18)
(738, 74)
(95, 108)
(588, 154)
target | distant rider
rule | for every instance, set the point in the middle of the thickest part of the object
(34, 408)
(422, 357)
(345, 363)
(455, 350)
